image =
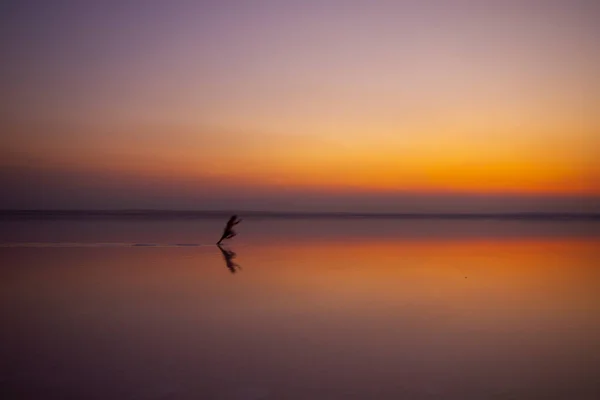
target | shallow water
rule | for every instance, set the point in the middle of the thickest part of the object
(315, 309)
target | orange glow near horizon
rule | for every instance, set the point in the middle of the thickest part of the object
(337, 170)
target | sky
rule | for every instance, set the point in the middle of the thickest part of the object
(393, 106)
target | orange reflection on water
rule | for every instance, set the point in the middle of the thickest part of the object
(503, 271)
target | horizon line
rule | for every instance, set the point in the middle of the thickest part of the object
(157, 213)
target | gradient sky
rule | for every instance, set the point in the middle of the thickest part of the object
(301, 105)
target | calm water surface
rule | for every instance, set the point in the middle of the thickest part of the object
(315, 309)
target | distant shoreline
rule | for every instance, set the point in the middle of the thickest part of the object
(198, 214)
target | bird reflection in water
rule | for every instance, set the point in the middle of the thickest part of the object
(228, 256)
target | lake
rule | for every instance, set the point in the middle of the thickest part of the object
(299, 309)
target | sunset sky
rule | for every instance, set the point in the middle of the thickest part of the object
(304, 105)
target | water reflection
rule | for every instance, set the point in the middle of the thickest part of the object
(228, 256)
(348, 316)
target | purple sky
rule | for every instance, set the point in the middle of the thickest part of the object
(301, 105)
